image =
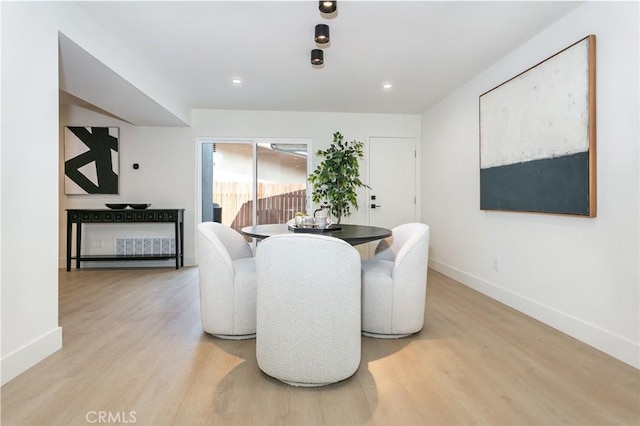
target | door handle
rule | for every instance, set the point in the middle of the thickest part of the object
(373, 206)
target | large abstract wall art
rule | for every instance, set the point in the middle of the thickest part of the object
(537, 137)
(91, 160)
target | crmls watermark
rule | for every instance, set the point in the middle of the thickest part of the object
(104, 417)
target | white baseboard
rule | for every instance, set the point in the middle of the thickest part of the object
(618, 347)
(29, 355)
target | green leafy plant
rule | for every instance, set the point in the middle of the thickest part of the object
(337, 177)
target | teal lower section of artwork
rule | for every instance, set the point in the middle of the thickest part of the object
(555, 185)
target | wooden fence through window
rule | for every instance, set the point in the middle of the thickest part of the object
(237, 205)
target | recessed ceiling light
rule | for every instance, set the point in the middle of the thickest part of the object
(387, 86)
(236, 80)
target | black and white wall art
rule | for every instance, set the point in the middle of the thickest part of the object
(537, 137)
(91, 160)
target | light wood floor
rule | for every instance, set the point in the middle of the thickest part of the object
(135, 351)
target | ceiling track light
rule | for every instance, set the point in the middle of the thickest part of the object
(317, 57)
(322, 34)
(327, 6)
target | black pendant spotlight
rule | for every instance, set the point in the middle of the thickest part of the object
(317, 57)
(322, 34)
(327, 6)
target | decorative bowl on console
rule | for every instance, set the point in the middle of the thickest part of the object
(117, 206)
(139, 206)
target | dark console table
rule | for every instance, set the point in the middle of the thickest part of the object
(80, 217)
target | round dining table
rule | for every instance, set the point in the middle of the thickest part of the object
(353, 234)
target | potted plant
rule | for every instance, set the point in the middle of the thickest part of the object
(337, 177)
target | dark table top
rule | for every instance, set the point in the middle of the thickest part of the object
(353, 234)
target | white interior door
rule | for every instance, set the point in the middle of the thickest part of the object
(392, 178)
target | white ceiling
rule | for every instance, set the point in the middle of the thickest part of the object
(426, 49)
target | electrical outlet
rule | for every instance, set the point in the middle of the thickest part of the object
(496, 264)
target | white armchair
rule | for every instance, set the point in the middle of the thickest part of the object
(308, 309)
(394, 283)
(227, 282)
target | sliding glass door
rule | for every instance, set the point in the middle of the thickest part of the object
(281, 181)
(253, 181)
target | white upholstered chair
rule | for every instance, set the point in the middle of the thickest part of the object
(308, 309)
(394, 283)
(227, 282)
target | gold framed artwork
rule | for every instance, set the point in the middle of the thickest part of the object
(538, 137)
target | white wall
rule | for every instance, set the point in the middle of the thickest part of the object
(316, 126)
(579, 275)
(168, 163)
(30, 149)
(165, 179)
(30, 329)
